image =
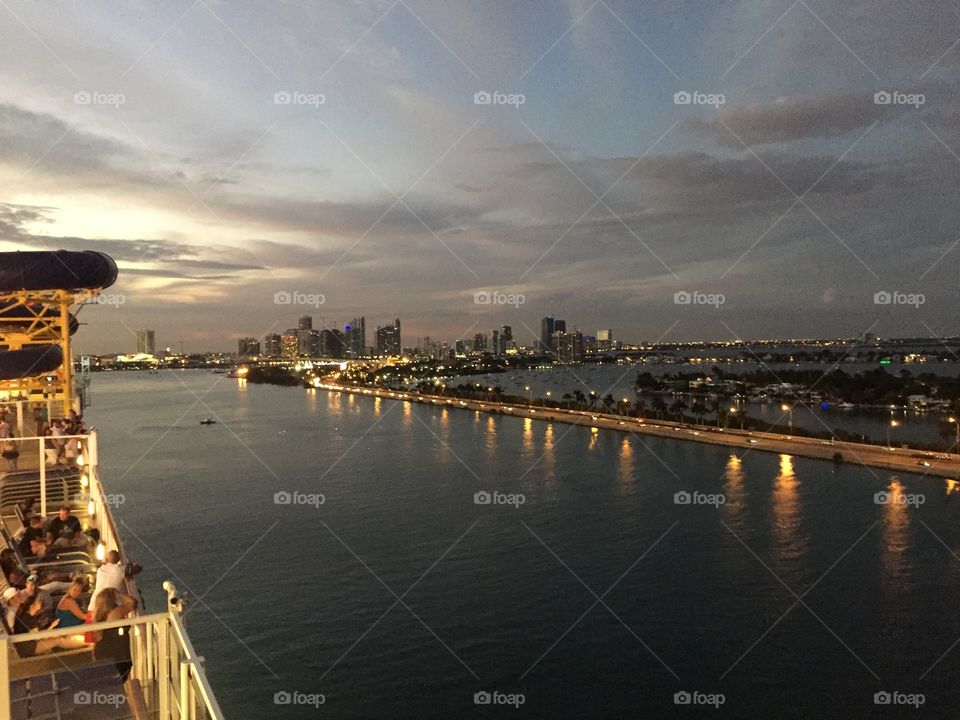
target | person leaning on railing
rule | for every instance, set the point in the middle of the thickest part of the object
(113, 644)
(113, 574)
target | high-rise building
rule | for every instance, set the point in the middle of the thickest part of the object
(546, 332)
(314, 343)
(146, 342)
(560, 325)
(305, 323)
(290, 344)
(388, 339)
(331, 343)
(494, 342)
(271, 345)
(355, 338)
(248, 347)
(460, 348)
(506, 339)
(567, 347)
(479, 342)
(604, 340)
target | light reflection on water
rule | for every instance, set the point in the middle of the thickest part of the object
(895, 524)
(786, 512)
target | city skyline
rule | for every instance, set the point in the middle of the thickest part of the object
(778, 166)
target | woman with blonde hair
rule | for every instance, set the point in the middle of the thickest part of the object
(113, 644)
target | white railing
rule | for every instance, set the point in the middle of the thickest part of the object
(167, 680)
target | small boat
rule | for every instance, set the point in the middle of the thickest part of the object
(208, 421)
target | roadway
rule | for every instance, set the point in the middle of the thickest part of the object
(901, 459)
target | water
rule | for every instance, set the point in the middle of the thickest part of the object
(290, 598)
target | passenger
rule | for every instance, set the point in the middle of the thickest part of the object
(49, 446)
(111, 644)
(31, 617)
(113, 574)
(33, 532)
(8, 448)
(62, 522)
(58, 431)
(69, 612)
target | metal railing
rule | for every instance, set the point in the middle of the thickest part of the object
(167, 679)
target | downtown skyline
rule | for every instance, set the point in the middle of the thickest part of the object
(594, 159)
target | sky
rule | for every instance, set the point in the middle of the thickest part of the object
(667, 169)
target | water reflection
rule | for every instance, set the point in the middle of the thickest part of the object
(594, 438)
(549, 460)
(625, 467)
(376, 406)
(490, 437)
(952, 486)
(335, 402)
(528, 436)
(895, 520)
(407, 413)
(786, 513)
(733, 508)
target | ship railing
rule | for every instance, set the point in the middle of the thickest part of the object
(75, 484)
(167, 681)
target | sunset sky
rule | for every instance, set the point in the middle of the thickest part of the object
(161, 134)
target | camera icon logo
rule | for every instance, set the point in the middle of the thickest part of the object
(482, 498)
(282, 498)
(882, 98)
(282, 98)
(484, 297)
(82, 697)
(682, 98)
(82, 98)
(882, 498)
(482, 98)
(282, 698)
(682, 297)
(682, 498)
(882, 698)
(482, 698)
(282, 298)
(682, 698)
(882, 298)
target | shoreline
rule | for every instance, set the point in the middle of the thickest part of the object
(900, 459)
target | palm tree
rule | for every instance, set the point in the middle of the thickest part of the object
(580, 398)
(609, 401)
(678, 406)
(659, 407)
(640, 407)
(567, 397)
(699, 409)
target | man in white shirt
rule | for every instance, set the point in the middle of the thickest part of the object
(112, 574)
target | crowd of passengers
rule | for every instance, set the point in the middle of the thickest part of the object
(59, 448)
(45, 598)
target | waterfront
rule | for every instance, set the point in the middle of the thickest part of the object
(399, 482)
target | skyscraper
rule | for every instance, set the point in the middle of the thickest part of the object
(290, 344)
(604, 340)
(506, 339)
(355, 338)
(146, 342)
(331, 343)
(479, 342)
(248, 347)
(388, 339)
(271, 345)
(546, 332)
(494, 342)
(305, 323)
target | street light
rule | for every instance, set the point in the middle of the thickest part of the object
(956, 422)
(529, 394)
(548, 397)
(789, 409)
(893, 424)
